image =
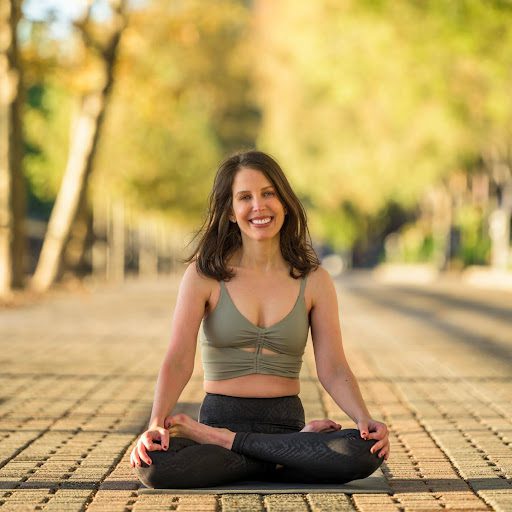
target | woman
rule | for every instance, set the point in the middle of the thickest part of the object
(256, 283)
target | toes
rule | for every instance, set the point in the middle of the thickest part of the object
(178, 418)
(323, 425)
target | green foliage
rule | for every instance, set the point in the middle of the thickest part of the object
(46, 125)
(418, 247)
(365, 103)
(412, 244)
(182, 101)
(341, 227)
(385, 98)
(349, 109)
(475, 244)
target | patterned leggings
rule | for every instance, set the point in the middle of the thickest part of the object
(267, 434)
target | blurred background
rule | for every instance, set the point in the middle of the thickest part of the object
(392, 120)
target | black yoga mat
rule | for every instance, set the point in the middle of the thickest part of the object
(374, 484)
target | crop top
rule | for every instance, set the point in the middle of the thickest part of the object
(226, 331)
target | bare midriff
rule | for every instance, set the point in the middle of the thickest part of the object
(254, 386)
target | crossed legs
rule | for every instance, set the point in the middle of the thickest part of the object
(202, 456)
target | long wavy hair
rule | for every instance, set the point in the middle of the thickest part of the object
(220, 238)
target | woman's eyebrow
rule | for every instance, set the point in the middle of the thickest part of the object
(248, 191)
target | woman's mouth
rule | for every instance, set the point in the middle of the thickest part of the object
(261, 221)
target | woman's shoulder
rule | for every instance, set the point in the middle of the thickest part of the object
(194, 279)
(319, 276)
(318, 282)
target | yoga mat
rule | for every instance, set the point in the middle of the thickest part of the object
(374, 484)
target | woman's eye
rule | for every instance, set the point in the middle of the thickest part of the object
(269, 193)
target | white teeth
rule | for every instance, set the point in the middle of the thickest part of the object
(261, 221)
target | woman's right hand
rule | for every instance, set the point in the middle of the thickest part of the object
(146, 442)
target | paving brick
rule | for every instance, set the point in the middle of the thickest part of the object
(430, 362)
(241, 503)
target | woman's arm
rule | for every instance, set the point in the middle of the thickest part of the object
(332, 366)
(169, 385)
(344, 389)
(178, 364)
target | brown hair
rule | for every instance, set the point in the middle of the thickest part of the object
(220, 237)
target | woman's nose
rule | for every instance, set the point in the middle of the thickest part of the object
(258, 204)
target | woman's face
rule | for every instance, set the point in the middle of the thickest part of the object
(256, 206)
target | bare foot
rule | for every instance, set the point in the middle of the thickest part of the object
(326, 425)
(181, 425)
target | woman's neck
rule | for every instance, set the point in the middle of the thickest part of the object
(260, 256)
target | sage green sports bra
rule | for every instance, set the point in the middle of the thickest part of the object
(226, 331)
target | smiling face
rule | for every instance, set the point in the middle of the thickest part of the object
(256, 206)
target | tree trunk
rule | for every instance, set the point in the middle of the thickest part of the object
(80, 240)
(499, 165)
(12, 197)
(499, 227)
(84, 141)
(116, 255)
(440, 200)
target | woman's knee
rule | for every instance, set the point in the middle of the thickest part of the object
(197, 465)
(152, 475)
(369, 462)
(366, 462)
(356, 460)
(165, 465)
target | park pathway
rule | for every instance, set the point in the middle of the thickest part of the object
(78, 372)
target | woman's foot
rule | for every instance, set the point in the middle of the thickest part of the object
(181, 425)
(326, 425)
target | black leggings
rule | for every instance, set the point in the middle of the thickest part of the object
(267, 435)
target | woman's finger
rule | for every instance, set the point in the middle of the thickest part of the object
(386, 447)
(164, 439)
(384, 452)
(382, 428)
(136, 458)
(378, 435)
(149, 444)
(133, 458)
(143, 455)
(377, 446)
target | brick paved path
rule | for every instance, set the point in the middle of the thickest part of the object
(77, 378)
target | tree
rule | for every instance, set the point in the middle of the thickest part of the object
(11, 177)
(184, 99)
(87, 125)
(369, 111)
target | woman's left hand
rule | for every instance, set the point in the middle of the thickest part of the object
(373, 429)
